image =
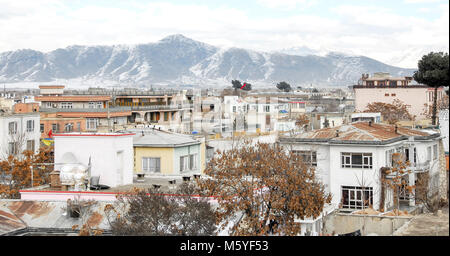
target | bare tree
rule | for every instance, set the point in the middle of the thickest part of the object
(149, 213)
(271, 189)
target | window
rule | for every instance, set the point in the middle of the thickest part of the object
(193, 161)
(13, 148)
(393, 94)
(234, 109)
(92, 104)
(389, 160)
(267, 108)
(55, 127)
(12, 127)
(91, 123)
(308, 157)
(188, 162)
(184, 163)
(393, 83)
(356, 197)
(429, 153)
(66, 105)
(435, 152)
(30, 145)
(166, 116)
(99, 105)
(356, 160)
(151, 164)
(68, 127)
(78, 127)
(42, 127)
(415, 156)
(49, 104)
(30, 125)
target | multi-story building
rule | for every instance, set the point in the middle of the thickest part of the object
(382, 87)
(348, 159)
(95, 109)
(19, 132)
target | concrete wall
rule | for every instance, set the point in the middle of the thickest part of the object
(111, 155)
(414, 97)
(166, 156)
(341, 223)
(187, 150)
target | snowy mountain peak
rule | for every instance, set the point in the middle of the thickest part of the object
(177, 59)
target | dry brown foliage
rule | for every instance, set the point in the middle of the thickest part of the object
(271, 189)
(15, 171)
(391, 113)
(150, 213)
(302, 121)
(397, 182)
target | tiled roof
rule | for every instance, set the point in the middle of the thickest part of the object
(360, 132)
(86, 98)
(51, 86)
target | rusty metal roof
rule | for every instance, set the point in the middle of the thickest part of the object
(17, 214)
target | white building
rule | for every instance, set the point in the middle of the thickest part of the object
(348, 160)
(111, 155)
(19, 132)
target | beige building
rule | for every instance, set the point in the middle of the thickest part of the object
(384, 88)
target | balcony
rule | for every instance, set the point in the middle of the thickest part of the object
(161, 107)
(85, 110)
(421, 167)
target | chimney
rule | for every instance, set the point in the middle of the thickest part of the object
(142, 133)
(337, 133)
(370, 123)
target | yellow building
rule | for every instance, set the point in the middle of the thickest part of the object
(166, 153)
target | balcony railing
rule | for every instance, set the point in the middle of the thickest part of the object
(421, 167)
(88, 110)
(162, 107)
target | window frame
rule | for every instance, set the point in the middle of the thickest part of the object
(30, 125)
(435, 151)
(309, 157)
(33, 144)
(55, 129)
(347, 160)
(12, 127)
(357, 201)
(91, 124)
(147, 165)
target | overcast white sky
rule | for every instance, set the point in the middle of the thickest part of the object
(396, 32)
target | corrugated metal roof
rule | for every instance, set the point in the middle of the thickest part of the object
(17, 214)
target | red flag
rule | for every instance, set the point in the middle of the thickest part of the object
(50, 134)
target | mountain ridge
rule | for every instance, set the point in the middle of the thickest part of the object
(179, 60)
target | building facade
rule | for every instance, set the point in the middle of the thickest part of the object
(348, 159)
(19, 132)
(384, 88)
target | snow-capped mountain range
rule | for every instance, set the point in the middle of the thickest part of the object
(178, 60)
